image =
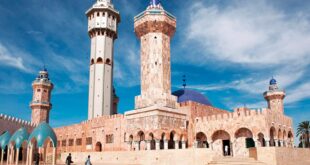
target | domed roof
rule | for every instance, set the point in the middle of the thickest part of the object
(191, 95)
(42, 132)
(4, 139)
(273, 81)
(19, 137)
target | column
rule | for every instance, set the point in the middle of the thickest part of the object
(148, 145)
(281, 142)
(2, 155)
(165, 144)
(54, 156)
(157, 147)
(276, 143)
(8, 156)
(31, 155)
(17, 156)
(257, 143)
(267, 141)
(183, 144)
(137, 144)
(195, 144)
(129, 146)
(176, 144)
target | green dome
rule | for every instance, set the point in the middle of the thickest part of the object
(4, 139)
(19, 137)
(41, 133)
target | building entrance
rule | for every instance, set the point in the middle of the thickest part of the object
(226, 148)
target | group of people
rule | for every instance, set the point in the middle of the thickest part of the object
(69, 160)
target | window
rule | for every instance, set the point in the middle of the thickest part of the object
(71, 141)
(45, 90)
(78, 142)
(89, 141)
(99, 60)
(64, 143)
(38, 90)
(109, 138)
(108, 61)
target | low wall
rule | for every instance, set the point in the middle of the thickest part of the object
(281, 155)
(161, 157)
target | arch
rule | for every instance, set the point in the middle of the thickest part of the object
(141, 140)
(290, 138)
(261, 139)
(280, 136)
(98, 147)
(4, 139)
(243, 132)
(201, 140)
(92, 61)
(171, 144)
(19, 137)
(272, 133)
(152, 141)
(220, 134)
(108, 61)
(141, 136)
(99, 60)
(41, 133)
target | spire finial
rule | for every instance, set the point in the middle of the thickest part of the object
(184, 81)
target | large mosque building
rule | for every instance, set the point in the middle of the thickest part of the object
(164, 126)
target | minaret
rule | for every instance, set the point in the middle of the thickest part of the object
(274, 97)
(155, 27)
(102, 29)
(41, 100)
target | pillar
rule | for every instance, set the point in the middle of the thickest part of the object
(276, 144)
(137, 145)
(257, 143)
(17, 156)
(129, 146)
(267, 141)
(148, 145)
(176, 144)
(195, 144)
(281, 143)
(8, 156)
(54, 156)
(31, 155)
(27, 156)
(165, 144)
(2, 156)
(183, 144)
(157, 146)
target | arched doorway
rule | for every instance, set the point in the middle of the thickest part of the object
(284, 138)
(243, 141)
(141, 136)
(98, 147)
(171, 144)
(272, 136)
(290, 139)
(201, 140)
(152, 141)
(261, 139)
(131, 147)
(221, 142)
(280, 136)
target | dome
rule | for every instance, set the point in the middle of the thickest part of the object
(273, 81)
(19, 137)
(191, 95)
(4, 139)
(43, 132)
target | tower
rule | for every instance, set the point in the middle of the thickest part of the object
(102, 29)
(274, 97)
(41, 100)
(155, 27)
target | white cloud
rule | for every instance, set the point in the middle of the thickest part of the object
(12, 59)
(258, 36)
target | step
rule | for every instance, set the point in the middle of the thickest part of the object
(235, 161)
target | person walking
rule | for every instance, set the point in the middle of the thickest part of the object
(226, 150)
(88, 161)
(69, 159)
(37, 159)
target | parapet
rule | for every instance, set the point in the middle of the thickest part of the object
(16, 120)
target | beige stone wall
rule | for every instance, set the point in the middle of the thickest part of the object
(281, 156)
(162, 157)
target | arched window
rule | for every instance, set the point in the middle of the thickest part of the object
(92, 61)
(108, 61)
(99, 60)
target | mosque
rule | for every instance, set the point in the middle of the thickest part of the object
(162, 122)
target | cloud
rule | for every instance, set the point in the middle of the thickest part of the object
(11, 58)
(258, 37)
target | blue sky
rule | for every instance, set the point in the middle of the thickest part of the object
(228, 50)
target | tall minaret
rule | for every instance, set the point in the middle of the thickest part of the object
(155, 27)
(274, 97)
(41, 100)
(102, 29)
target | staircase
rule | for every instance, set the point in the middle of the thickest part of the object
(235, 161)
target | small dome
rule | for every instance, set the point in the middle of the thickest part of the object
(19, 137)
(191, 95)
(41, 133)
(273, 81)
(4, 139)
